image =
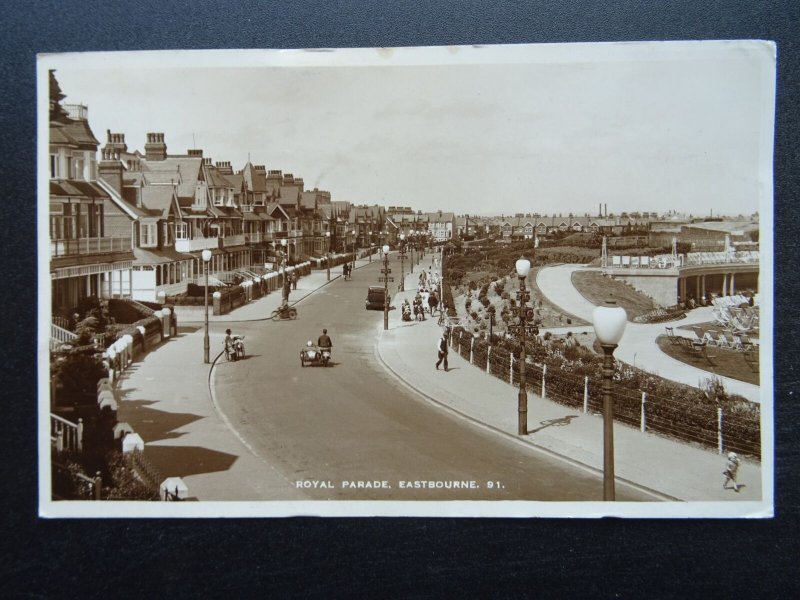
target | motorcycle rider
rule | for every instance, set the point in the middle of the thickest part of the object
(324, 342)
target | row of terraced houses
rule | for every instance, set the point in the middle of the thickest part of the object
(133, 224)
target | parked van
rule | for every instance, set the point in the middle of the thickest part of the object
(376, 296)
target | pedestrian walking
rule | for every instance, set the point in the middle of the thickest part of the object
(287, 287)
(433, 302)
(731, 471)
(294, 280)
(442, 348)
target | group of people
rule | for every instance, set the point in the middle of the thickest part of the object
(424, 301)
(347, 270)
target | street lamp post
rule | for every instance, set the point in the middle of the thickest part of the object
(206, 254)
(354, 248)
(385, 271)
(609, 322)
(328, 253)
(411, 244)
(525, 313)
(369, 243)
(402, 262)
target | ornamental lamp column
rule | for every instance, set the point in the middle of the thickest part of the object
(523, 266)
(609, 322)
(411, 244)
(328, 253)
(402, 262)
(206, 254)
(385, 287)
(369, 233)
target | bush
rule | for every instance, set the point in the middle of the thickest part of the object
(76, 375)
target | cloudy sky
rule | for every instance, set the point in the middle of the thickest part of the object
(553, 129)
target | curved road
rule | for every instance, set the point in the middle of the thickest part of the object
(346, 431)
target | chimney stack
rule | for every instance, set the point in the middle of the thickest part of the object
(195, 152)
(110, 169)
(155, 148)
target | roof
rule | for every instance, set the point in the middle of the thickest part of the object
(256, 180)
(87, 189)
(725, 226)
(157, 199)
(157, 256)
(289, 194)
(308, 200)
(73, 133)
(236, 179)
(215, 178)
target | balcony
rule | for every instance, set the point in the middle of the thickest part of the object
(193, 245)
(296, 233)
(86, 246)
(254, 237)
(234, 240)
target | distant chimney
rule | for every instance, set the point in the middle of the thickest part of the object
(288, 178)
(155, 148)
(195, 152)
(224, 167)
(260, 168)
(207, 161)
(606, 205)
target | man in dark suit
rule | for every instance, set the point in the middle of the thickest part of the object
(442, 352)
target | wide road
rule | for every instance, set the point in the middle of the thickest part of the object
(349, 429)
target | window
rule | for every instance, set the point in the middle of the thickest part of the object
(77, 168)
(54, 166)
(148, 235)
(181, 230)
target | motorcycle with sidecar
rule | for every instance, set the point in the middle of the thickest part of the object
(314, 355)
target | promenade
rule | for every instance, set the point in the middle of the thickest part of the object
(638, 346)
(187, 437)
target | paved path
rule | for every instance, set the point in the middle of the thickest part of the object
(638, 346)
(165, 398)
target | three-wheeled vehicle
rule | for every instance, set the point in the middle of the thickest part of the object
(314, 355)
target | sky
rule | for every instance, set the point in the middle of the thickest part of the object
(548, 129)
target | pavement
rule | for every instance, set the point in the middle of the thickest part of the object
(188, 437)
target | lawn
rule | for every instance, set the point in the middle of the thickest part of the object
(726, 362)
(596, 289)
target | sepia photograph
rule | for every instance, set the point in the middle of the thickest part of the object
(473, 281)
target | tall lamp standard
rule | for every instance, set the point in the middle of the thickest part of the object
(402, 262)
(328, 253)
(411, 245)
(206, 345)
(354, 248)
(525, 313)
(369, 243)
(385, 271)
(609, 322)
